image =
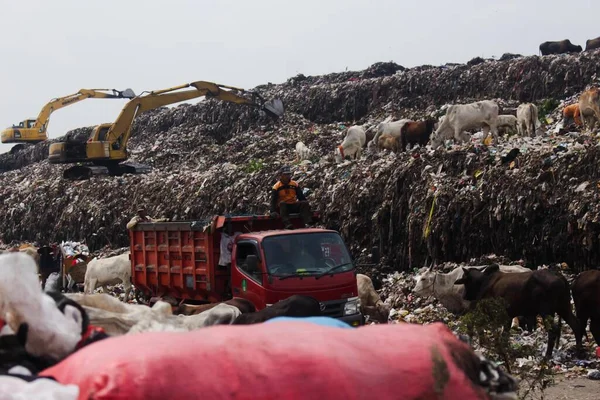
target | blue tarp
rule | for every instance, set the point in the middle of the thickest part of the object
(326, 321)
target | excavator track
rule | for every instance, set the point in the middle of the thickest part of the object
(84, 172)
(21, 146)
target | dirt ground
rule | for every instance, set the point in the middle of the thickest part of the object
(572, 389)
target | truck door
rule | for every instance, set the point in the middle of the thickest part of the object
(245, 283)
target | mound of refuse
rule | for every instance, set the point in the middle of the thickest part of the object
(539, 203)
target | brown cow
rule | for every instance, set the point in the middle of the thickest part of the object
(586, 296)
(592, 44)
(387, 142)
(245, 306)
(571, 112)
(560, 47)
(542, 292)
(589, 108)
(416, 133)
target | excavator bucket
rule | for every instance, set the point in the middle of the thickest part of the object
(274, 108)
(128, 93)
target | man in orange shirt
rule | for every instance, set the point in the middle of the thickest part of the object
(287, 195)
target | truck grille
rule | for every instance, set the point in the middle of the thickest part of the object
(333, 308)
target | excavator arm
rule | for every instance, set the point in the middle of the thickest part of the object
(121, 129)
(34, 131)
(41, 123)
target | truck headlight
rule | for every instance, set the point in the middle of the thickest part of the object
(351, 307)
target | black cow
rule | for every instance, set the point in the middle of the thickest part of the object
(592, 44)
(540, 292)
(293, 306)
(586, 296)
(560, 47)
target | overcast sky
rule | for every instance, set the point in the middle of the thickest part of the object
(54, 48)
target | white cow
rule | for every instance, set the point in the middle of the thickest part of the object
(302, 151)
(461, 117)
(527, 119)
(109, 271)
(442, 287)
(352, 145)
(388, 128)
(507, 122)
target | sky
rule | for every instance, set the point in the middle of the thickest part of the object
(53, 48)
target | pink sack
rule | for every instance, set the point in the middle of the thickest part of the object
(284, 360)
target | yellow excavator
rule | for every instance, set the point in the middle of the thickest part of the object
(106, 149)
(32, 131)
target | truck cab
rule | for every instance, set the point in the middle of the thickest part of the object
(270, 266)
(251, 257)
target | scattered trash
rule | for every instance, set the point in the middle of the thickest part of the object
(594, 375)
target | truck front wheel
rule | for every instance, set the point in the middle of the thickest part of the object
(141, 297)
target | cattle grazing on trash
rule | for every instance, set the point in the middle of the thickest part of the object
(559, 47)
(245, 306)
(302, 152)
(592, 44)
(571, 113)
(388, 127)
(352, 145)
(542, 292)
(442, 286)
(589, 108)
(370, 302)
(527, 119)
(462, 117)
(387, 142)
(109, 271)
(293, 306)
(416, 132)
(507, 122)
(586, 296)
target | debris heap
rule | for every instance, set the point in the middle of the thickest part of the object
(539, 204)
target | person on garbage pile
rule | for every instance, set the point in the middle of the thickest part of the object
(142, 216)
(287, 196)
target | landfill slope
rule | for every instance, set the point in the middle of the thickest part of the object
(216, 157)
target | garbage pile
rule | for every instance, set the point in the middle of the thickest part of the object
(539, 203)
(39, 152)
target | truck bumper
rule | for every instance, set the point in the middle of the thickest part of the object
(353, 320)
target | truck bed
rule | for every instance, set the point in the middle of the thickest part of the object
(180, 258)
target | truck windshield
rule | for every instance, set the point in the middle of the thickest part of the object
(306, 254)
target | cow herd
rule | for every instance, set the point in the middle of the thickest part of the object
(565, 46)
(525, 293)
(455, 125)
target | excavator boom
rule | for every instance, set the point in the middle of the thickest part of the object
(34, 131)
(107, 146)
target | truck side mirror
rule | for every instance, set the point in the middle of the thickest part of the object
(252, 263)
(375, 257)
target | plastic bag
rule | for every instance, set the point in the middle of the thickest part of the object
(284, 360)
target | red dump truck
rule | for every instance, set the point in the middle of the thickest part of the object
(245, 256)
